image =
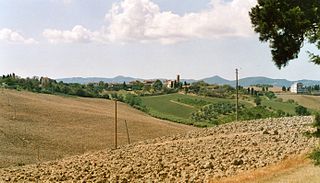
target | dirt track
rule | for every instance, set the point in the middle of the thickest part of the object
(199, 156)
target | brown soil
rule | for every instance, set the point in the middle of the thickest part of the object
(40, 127)
(255, 148)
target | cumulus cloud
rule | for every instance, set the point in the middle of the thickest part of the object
(77, 34)
(12, 36)
(143, 21)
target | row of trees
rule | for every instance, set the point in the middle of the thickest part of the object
(46, 85)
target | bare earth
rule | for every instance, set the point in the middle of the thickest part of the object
(48, 127)
(304, 174)
(240, 150)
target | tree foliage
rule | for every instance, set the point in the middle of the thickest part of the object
(287, 24)
(302, 111)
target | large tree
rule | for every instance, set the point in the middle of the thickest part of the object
(287, 25)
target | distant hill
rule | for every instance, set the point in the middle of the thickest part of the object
(217, 80)
(258, 80)
(118, 79)
(248, 81)
(264, 80)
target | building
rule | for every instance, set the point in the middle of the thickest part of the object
(178, 79)
(173, 83)
(297, 88)
(148, 82)
(169, 83)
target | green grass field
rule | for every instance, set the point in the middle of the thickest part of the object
(179, 107)
(174, 107)
(283, 106)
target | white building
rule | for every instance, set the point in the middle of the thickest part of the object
(297, 88)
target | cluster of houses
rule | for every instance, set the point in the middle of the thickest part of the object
(167, 83)
(298, 88)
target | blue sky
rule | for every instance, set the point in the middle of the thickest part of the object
(139, 38)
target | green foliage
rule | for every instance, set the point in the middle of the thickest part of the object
(270, 95)
(284, 88)
(193, 102)
(259, 112)
(204, 89)
(316, 122)
(157, 85)
(257, 101)
(286, 24)
(212, 112)
(302, 111)
(315, 156)
(291, 101)
(135, 101)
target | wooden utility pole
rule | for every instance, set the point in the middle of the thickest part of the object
(125, 121)
(115, 123)
(237, 89)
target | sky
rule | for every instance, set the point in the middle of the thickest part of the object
(137, 38)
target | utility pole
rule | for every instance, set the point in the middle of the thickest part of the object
(237, 89)
(125, 121)
(115, 122)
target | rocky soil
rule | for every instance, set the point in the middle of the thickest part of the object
(197, 156)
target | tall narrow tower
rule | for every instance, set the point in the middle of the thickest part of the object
(178, 78)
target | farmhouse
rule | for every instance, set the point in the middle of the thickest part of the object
(297, 88)
(148, 82)
(172, 83)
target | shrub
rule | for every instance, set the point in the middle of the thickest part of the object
(291, 101)
(270, 95)
(302, 111)
(315, 156)
(316, 123)
(257, 101)
(212, 112)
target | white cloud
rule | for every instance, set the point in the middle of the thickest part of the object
(65, 2)
(77, 34)
(143, 21)
(12, 36)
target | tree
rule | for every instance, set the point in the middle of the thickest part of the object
(124, 85)
(287, 24)
(252, 91)
(157, 85)
(284, 88)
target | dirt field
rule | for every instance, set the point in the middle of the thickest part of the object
(256, 149)
(297, 169)
(48, 127)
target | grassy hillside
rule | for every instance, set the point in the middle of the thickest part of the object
(283, 106)
(312, 102)
(61, 126)
(179, 107)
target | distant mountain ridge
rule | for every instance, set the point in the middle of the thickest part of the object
(248, 81)
(81, 80)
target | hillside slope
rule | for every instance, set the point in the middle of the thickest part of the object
(48, 127)
(199, 156)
